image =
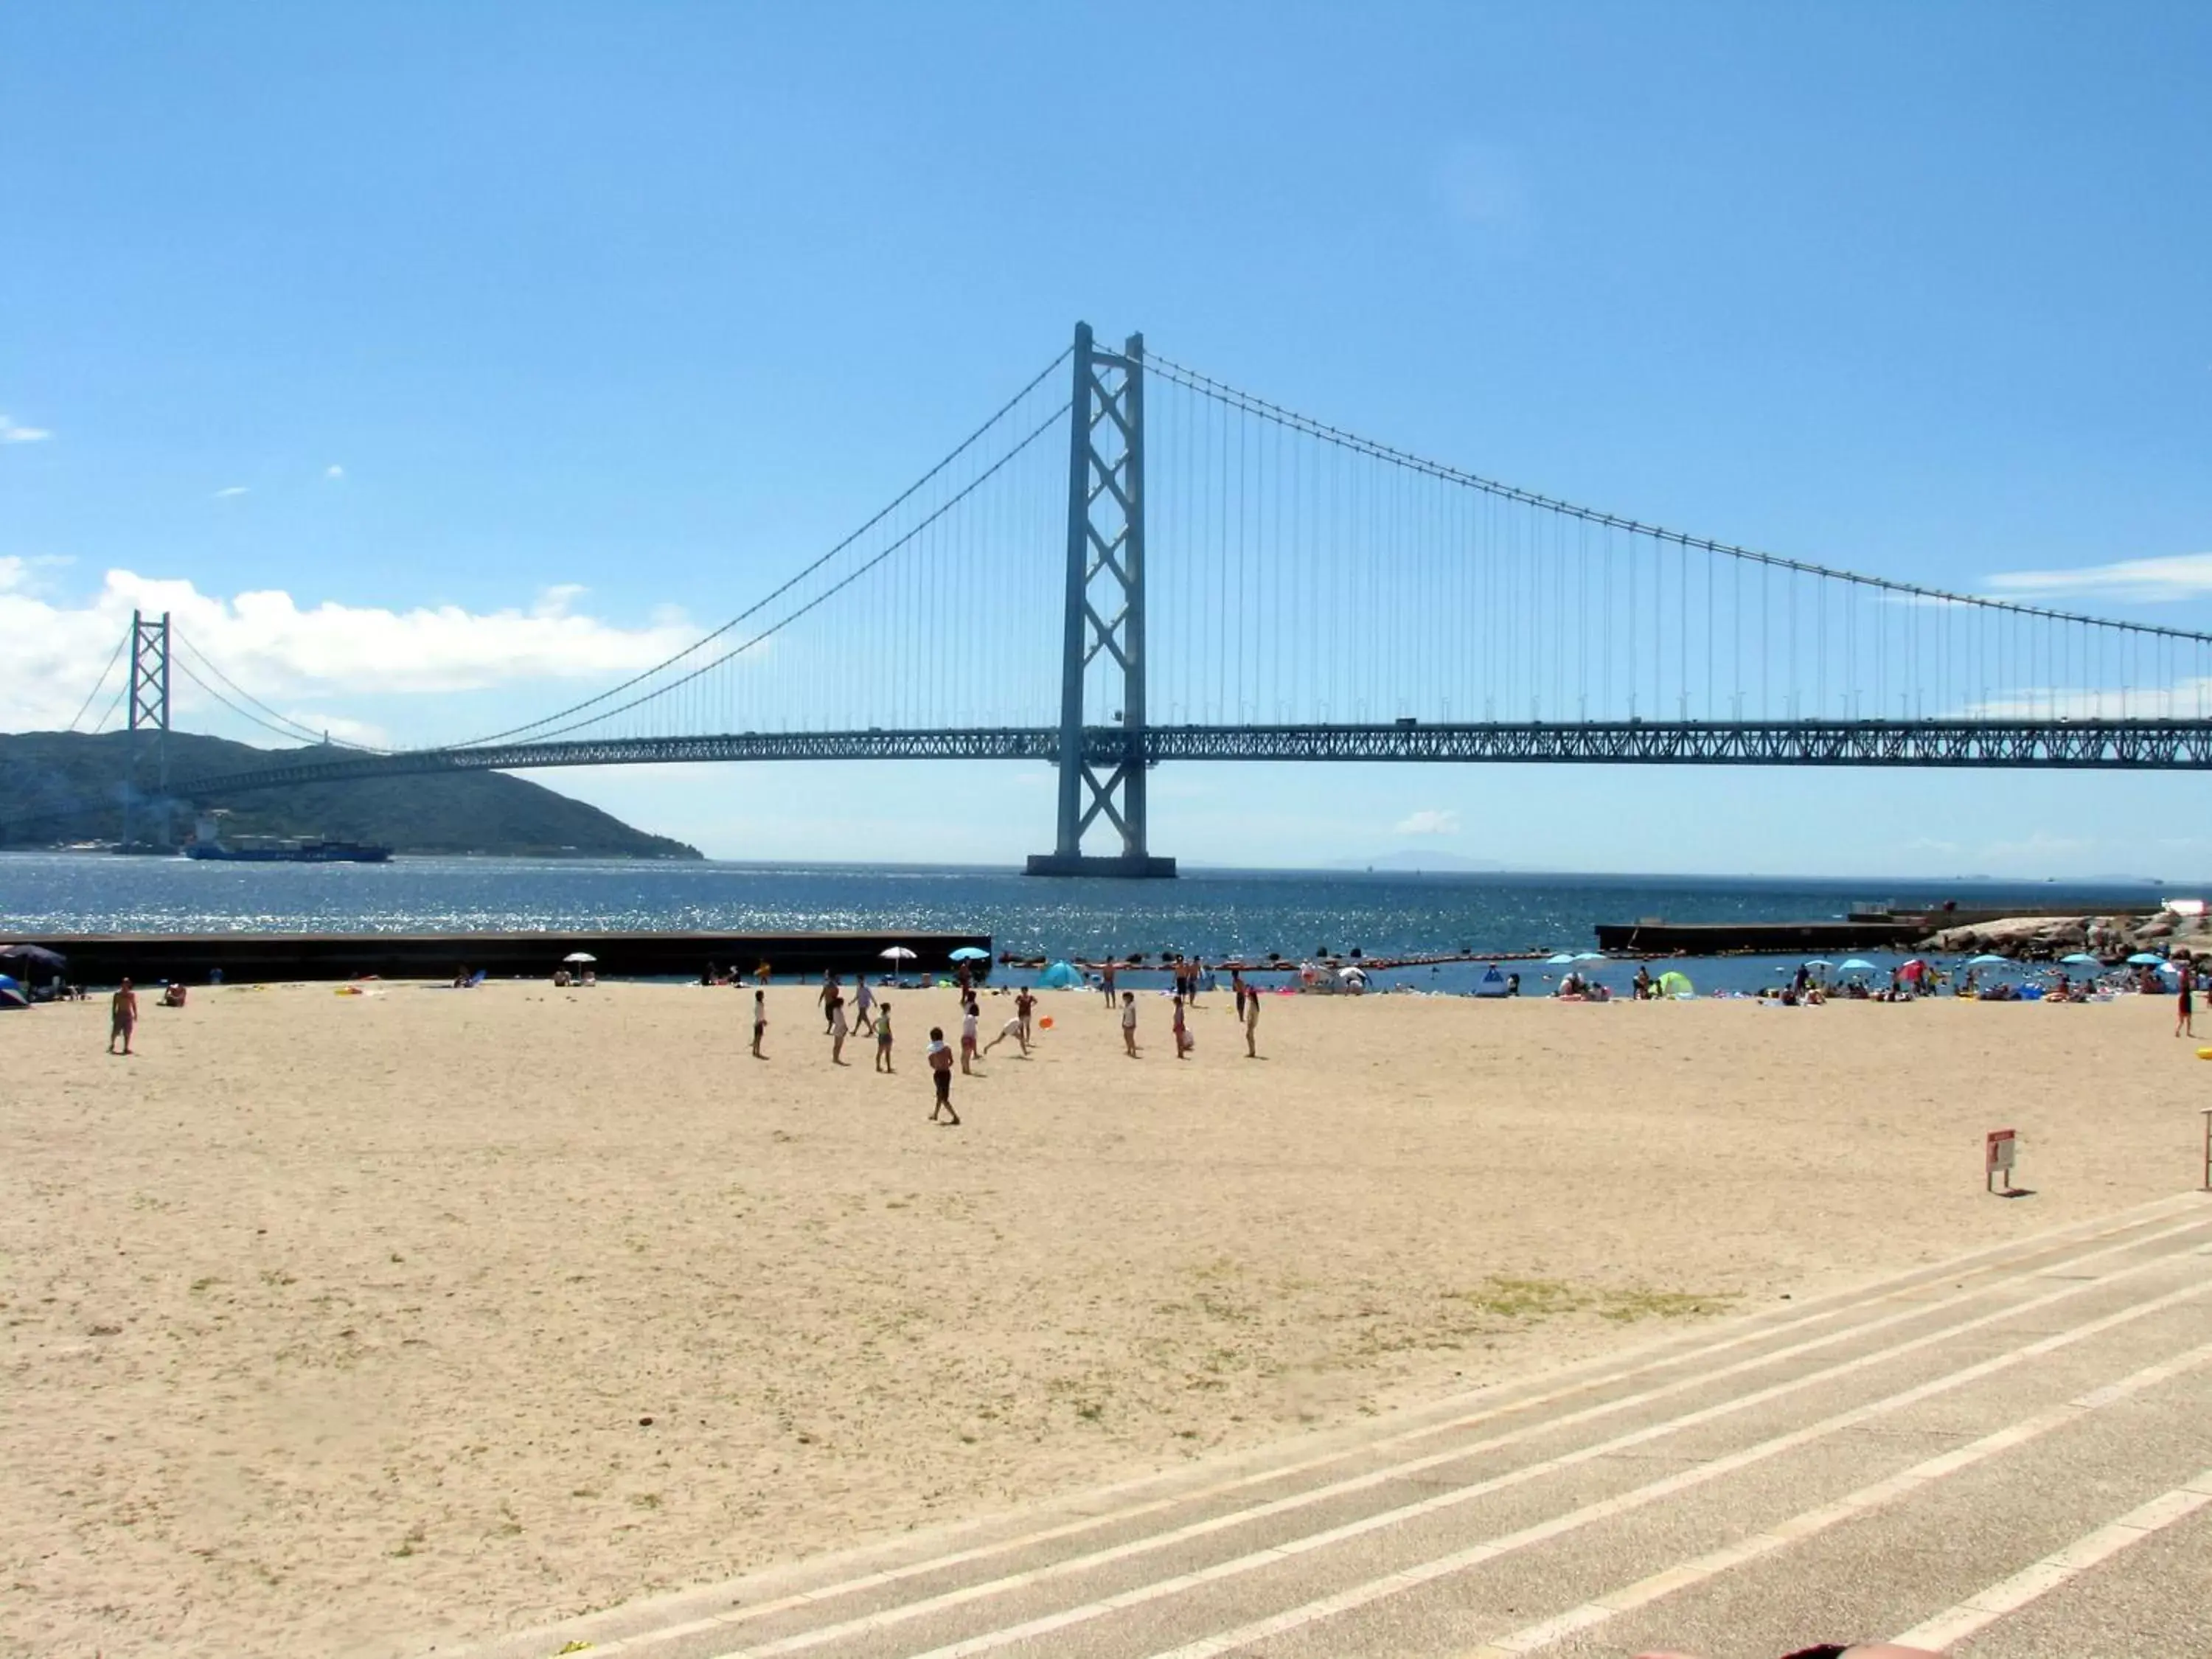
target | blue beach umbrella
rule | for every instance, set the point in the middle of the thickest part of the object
(1560, 960)
(1985, 960)
(2081, 959)
(1859, 965)
(2145, 959)
(970, 953)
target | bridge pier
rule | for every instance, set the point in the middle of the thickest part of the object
(1105, 556)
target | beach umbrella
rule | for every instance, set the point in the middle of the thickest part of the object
(970, 953)
(1591, 956)
(897, 953)
(580, 956)
(2081, 959)
(33, 961)
(1985, 960)
(1859, 965)
(2145, 959)
(1819, 962)
(1560, 960)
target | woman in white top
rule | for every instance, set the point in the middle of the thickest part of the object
(837, 1030)
(1129, 1024)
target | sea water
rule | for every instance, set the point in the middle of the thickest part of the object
(1213, 914)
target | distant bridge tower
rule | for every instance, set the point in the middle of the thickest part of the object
(1105, 611)
(146, 809)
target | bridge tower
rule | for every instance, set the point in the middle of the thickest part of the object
(1105, 611)
(149, 735)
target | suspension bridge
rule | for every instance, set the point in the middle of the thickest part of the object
(1233, 580)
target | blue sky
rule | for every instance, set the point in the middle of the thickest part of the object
(588, 324)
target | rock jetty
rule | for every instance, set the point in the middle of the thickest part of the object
(2045, 939)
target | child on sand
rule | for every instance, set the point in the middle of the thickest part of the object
(1013, 1029)
(1251, 1012)
(1129, 1024)
(864, 1000)
(1024, 1006)
(837, 1028)
(760, 1022)
(940, 1072)
(883, 1036)
(968, 1018)
(1182, 1033)
(122, 1016)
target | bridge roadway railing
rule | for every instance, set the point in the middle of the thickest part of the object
(2115, 744)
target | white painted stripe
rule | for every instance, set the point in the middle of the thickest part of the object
(969, 1593)
(1533, 1639)
(1404, 1579)
(2031, 1584)
(1708, 1469)
(1650, 1359)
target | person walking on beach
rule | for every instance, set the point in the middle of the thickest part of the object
(122, 1016)
(1237, 985)
(837, 1030)
(1183, 1044)
(828, 990)
(1106, 981)
(2184, 1012)
(864, 1000)
(969, 1016)
(1129, 1024)
(884, 1037)
(940, 1072)
(1025, 1006)
(1250, 1010)
(760, 1022)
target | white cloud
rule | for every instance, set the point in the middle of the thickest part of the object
(1430, 821)
(2148, 581)
(13, 432)
(334, 471)
(275, 648)
(229, 490)
(2183, 700)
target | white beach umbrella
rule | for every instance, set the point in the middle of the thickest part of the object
(897, 953)
(580, 956)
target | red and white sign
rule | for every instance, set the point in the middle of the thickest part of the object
(1997, 1156)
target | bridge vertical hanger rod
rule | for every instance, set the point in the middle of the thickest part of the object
(1105, 617)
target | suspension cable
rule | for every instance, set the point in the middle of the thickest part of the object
(1206, 386)
(113, 656)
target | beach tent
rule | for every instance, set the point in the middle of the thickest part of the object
(1058, 976)
(1675, 983)
(1491, 984)
(11, 993)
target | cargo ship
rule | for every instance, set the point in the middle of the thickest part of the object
(207, 842)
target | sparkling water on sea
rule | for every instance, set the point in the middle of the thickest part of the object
(1210, 913)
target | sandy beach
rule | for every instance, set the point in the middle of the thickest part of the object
(369, 1325)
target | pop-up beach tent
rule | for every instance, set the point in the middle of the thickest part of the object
(1058, 976)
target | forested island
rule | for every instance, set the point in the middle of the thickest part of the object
(59, 788)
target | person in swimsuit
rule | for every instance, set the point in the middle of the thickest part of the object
(837, 1028)
(1106, 982)
(940, 1072)
(884, 1036)
(1024, 1006)
(1129, 1024)
(122, 1016)
(760, 1022)
(1250, 1010)
(2184, 1013)
(1183, 1043)
(968, 1018)
(828, 990)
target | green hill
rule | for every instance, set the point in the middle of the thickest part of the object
(60, 786)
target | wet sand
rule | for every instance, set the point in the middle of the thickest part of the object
(332, 1324)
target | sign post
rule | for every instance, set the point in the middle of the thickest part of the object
(1997, 1156)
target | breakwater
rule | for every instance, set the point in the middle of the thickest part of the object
(246, 957)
